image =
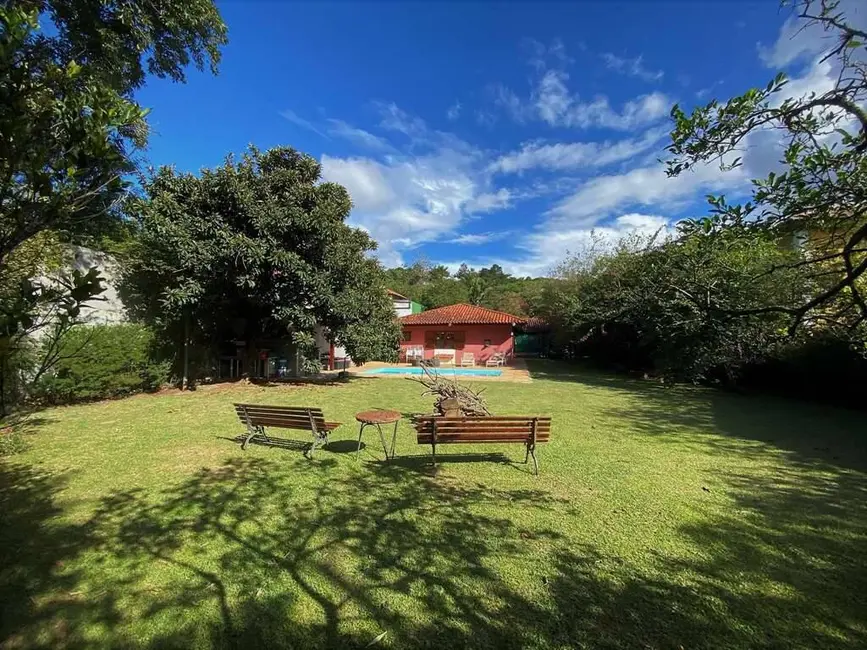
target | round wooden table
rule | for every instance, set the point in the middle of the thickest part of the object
(376, 418)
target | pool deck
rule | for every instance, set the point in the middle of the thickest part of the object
(516, 371)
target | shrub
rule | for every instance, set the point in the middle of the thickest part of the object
(11, 442)
(101, 362)
(821, 368)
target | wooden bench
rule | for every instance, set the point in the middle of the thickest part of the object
(528, 431)
(258, 416)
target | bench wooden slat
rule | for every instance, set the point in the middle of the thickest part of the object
(284, 423)
(483, 426)
(263, 409)
(280, 409)
(278, 414)
(481, 418)
(252, 408)
(523, 435)
(488, 429)
(447, 440)
(292, 419)
(486, 432)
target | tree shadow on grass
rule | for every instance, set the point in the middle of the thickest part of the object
(728, 422)
(793, 542)
(575, 372)
(36, 586)
(243, 556)
(813, 436)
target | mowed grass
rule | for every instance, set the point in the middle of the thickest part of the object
(662, 518)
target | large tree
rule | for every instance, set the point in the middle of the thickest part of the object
(818, 195)
(69, 130)
(258, 249)
(635, 305)
(69, 124)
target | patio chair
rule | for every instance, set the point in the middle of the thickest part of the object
(414, 354)
(496, 359)
(468, 359)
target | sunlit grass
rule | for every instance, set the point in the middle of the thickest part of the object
(661, 518)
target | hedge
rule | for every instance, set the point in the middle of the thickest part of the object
(104, 361)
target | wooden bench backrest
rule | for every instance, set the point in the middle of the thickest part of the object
(470, 430)
(287, 417)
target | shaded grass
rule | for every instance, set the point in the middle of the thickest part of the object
(662, 518)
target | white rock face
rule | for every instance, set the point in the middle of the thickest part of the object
(106, 307)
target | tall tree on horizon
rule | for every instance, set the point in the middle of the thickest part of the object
(257, 249)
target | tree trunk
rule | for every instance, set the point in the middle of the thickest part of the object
(185, 382)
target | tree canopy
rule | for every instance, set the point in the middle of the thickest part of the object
(435, 286)
(818, 193)
(258, 248)
(68, 122)
(69, 132)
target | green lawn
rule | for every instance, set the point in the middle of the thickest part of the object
(661, 519)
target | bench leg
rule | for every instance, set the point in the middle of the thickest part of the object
(531, 450)
(252, 432)
(318, 441)
(433, 453)
(527, 455)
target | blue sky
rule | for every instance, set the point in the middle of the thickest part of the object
(484, 133)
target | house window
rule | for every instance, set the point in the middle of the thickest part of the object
(445, 340)
(406, 335)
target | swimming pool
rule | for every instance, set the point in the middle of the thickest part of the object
(448, 372)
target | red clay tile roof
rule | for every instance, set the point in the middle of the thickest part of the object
(461, 314)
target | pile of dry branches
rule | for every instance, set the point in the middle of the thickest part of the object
(449, 392)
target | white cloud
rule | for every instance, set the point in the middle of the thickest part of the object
(701, 93)
(555, 244)
(819, 78)
(365, 179)
(475, 239)
(642, 187)
(552, 98)
(795, 40)
(486, 119)
(552, 102)
(546, 248)
(798, 39)
(454, 111)
(396, 119)
(405, 199)
(506, 99)
(540, 53)
(363, 138)
(296, 119)
(631, 67)
(575, 155)
(490, 201)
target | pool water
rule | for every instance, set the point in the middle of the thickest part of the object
(448, 372)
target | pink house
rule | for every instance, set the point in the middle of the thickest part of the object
(458, 329)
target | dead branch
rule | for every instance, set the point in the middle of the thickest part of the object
(470, 402)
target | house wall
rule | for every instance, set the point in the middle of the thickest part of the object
(500, 336)
(402, 306)
(324, 346)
